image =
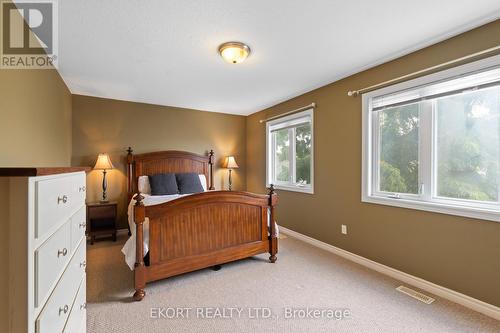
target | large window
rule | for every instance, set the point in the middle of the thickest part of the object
(290, 152)
(434, 143)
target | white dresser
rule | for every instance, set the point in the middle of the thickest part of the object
(47, 252)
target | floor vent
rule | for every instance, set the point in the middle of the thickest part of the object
(415, 294)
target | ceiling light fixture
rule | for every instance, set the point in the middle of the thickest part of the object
(234, 52)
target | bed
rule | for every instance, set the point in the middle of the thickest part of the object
(195, 231)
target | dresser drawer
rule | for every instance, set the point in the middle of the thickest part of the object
(78, 312)
(56, 311)
(56, 200)
(78, 227)
(50, 260)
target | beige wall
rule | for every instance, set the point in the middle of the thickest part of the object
(35, 119)
(4, 253)
(35, 122)
(459, 253)
(104, 125)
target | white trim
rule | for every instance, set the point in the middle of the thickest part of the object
(452, 207)
(309, 190)
(449, 294)
(269, 156)
(436, 207)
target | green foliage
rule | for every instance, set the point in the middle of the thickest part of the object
(303, 153)
(390, 179)
(399, 150)
(460, 189)
(303, 146)
(282, 163)
(468, 146)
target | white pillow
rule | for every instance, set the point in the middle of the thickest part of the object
(145, 188)
(203, 181)
(143, 185)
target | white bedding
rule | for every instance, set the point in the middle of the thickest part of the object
(149, 200)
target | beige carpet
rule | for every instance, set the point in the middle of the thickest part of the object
(303, 276)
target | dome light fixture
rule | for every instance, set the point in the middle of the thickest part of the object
(234, 52)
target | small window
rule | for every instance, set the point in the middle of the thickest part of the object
(290, 152)
(433, 143)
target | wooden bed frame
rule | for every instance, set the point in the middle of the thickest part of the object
(199, 230)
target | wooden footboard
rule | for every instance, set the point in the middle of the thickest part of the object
(203, 230)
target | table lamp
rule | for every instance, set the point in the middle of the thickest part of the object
(230, 163)
(104, 163)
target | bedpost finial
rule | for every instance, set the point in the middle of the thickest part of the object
(271, 189)
(138, 198)
(211, 156)
(211, 162)
(130, 156)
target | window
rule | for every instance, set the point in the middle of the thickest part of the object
(433, 143)
(290, 152)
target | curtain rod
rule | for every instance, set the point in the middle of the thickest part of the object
(312, 105)
(354, 93)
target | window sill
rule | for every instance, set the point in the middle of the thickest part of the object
(308, 190)
(450, 209)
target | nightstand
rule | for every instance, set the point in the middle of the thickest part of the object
(101, 220)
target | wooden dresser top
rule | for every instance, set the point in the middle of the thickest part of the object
(33, 172)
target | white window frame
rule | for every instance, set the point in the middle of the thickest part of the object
(428, 201)
(270, 156)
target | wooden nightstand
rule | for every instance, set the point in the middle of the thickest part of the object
(101, 220)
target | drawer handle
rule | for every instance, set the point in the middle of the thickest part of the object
(83, 306)
(83, 264)
(82, 189)
(64, 252)
(62, 199)
(64, 309)
(83, 225)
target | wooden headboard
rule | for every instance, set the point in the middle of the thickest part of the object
(167, 161)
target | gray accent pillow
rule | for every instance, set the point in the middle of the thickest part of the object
(189, 183)
(163, 184)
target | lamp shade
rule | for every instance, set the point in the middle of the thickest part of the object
(230, 163)
(103, 162)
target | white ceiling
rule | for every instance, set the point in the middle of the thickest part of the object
(165, 52)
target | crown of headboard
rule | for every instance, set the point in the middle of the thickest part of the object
(167, 161)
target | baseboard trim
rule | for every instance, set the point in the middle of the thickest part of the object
(451, 295)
